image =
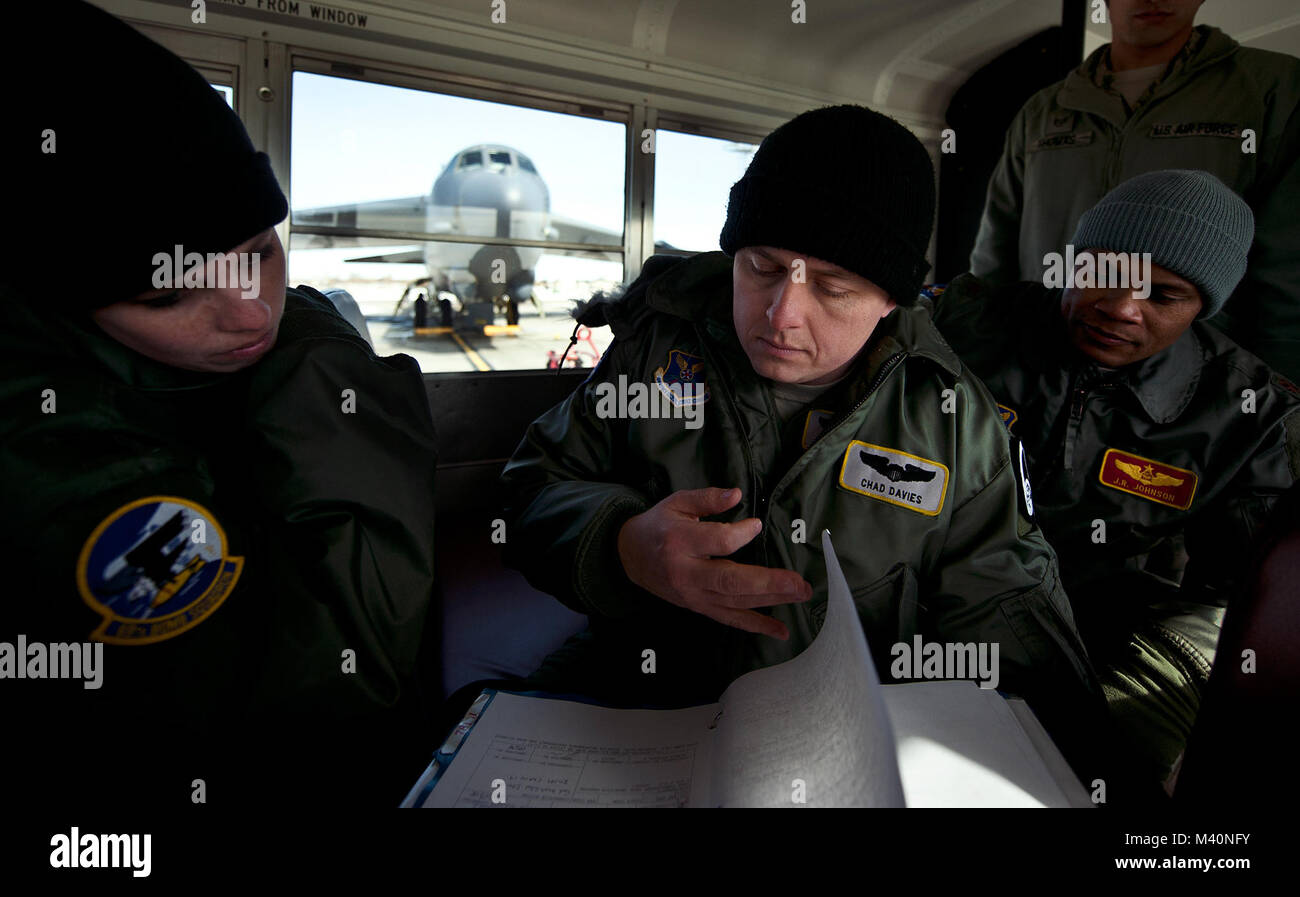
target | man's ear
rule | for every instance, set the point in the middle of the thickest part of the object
(890, 305)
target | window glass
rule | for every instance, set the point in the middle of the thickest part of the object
(693, 178)
(227, 93)
(378, 157)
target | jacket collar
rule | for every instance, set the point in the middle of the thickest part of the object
(1081, 89)
(1165, 383)
(1162, 384)
(699, 290)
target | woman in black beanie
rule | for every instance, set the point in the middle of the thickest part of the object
(219, 501)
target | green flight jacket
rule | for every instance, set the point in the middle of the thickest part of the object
(973, 569)
(1180, 457)
(1074, 141)
(308, 661)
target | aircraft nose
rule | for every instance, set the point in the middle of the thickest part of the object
(505, 192)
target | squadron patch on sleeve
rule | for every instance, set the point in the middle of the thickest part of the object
(1145, 478)
(682, 379)
(1021, 463)
(1008, 415)
(155, 568)
(899, 478)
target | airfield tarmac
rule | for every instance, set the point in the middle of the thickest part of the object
(524, 349)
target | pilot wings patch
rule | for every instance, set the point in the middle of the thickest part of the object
(898, 478)
(1145, 478)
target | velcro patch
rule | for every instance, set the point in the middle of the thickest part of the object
(899, 478)
(1145, 478)
(814, 426)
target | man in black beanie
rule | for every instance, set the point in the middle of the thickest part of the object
(219, 502)
(813, 394)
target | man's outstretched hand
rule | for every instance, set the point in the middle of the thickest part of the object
(670, 552)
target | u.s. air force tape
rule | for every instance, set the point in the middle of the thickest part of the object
(896, 477)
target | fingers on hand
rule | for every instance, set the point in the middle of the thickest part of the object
(709, 539)
(750, 621)
(703, 502)
(747, 581)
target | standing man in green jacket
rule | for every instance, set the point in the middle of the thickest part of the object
(812, 394)
(1158, 446)
(1162, 95)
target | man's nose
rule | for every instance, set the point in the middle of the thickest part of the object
(1122, 305)
(786, 310)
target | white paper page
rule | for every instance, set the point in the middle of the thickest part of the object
(553, 753)
(817, 718)
(962, 746)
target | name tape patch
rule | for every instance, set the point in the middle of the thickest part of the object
(1145, 478)
(1061, 141)
(899, 478)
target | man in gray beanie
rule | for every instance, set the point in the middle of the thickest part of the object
(819, 396)
(1158, 446)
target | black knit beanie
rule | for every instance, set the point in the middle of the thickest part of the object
(146, 156)
(843, 184)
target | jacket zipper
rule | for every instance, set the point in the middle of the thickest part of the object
(754, 485)
(886, 368)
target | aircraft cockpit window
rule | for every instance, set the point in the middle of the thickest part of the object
(445, 263)
(693, 177)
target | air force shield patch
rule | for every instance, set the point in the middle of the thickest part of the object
(155, 568)
(682, 379)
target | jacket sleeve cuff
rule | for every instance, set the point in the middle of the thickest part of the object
(599, 580)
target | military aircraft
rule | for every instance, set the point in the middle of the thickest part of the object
(486, 191)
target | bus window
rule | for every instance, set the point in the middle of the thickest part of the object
(693, 178)
(423, 206)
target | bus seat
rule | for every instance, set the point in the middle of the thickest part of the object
(494, 624)
(1240, 748)
(350, 311)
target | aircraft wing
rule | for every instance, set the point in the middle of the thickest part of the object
(405, 214)
(571, 230)
(407, 255)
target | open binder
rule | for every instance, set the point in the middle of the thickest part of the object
(817, 730)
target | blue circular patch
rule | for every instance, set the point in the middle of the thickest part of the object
(155, 568)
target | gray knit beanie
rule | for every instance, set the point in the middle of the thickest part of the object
(1189, 221)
